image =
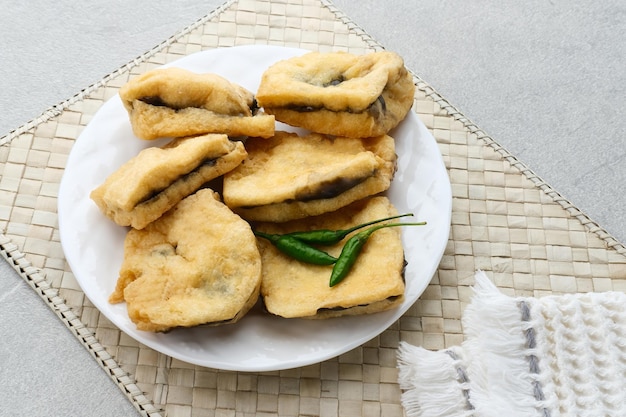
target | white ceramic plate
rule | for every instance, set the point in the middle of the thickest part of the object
(93, 244)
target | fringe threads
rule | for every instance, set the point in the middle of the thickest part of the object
(551, 357)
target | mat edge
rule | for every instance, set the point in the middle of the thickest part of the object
(36, 279)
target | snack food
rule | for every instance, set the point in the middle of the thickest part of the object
(174, 102)
(198, 264)
(291, 288)
(289, 176)
(152, 182)
(339, 93)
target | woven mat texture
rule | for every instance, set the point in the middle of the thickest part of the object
(505, 221)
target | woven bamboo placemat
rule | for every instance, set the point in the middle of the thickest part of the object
(505, 220)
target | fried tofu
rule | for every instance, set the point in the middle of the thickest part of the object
(197, 264)
(291, 288)
(290, 177)
(152, 182)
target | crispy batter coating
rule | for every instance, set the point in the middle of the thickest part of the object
(152, 182)
(174, 102)
(294, 289)
(289, 176)
(339, 93)
(198, 264)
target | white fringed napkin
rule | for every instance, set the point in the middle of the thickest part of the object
(555, 356)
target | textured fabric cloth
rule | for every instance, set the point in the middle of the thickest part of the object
(560, 355)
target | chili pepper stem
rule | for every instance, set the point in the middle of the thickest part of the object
(331, 237)
(270, 237)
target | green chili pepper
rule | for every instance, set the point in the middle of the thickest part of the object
(352, 248)
(331, 237)
(298, 249)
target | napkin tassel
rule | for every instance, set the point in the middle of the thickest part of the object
(500, 340)
(434, 384)
(495, 371)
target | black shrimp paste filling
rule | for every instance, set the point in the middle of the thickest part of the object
(332, 188)
(391, 298)
(376, 109)
(325, 190)
(156, 101)
(159, 102)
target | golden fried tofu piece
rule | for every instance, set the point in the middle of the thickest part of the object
(338, 93)
(152, 182)
(174, 102)
(291, 288)
(197, 264)
(289, 176)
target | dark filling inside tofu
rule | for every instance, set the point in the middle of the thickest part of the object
(209, 324)
(404, 271)
(331, 189)
(328, 189)
(159, 102)
(254, 107)
(156, 193)
(334, 82)
(321, 310)
(376, 109)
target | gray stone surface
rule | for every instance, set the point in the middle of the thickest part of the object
(44, 369)
(545, 79)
